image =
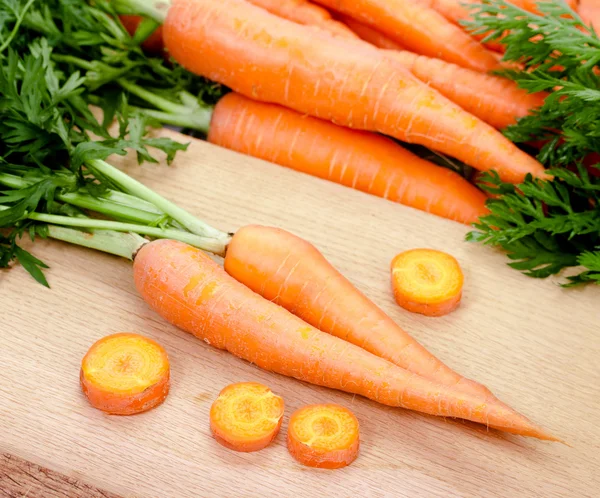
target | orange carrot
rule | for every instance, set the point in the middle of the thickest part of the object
(419, 29)
(291, 272)
(589, 10)
(246, 416)
(427, 282)
(154, 43)
(369, 34)
(361, 160)
(495, 100)
(305, 12)
(323, 436)
(352, 84)
(191, 291)
(125, 374)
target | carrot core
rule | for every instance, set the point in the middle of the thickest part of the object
(324, 436)
(246, 416)
(427, 281)
(124, 374)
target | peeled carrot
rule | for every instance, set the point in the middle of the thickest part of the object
(419, 29)
(274, 60)
(495, 100)
(191, 291)
(361, 160)
(291, 272)
(427, 282)
(154, 43)
(125, 374)
(323, 436)
(369, 34)
(246, 416)
(305, 12)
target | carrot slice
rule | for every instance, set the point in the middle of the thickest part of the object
(427, 281)
(125, 374)
(246, 416)
(324, 436)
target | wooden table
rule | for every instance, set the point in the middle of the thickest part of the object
(535, 344)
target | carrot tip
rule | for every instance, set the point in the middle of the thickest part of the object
(125, 374)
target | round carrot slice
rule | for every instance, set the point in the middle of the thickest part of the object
(246, 416)
(124, 374)
(323, 436)
(427, 281)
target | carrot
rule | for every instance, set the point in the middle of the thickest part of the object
(589, 10)
(154, 43)
(495, 100)
(427, 282)
(419, 29)
(291, 272)
(352, 84)
(125, 374)
(357, 159)
(323, 436)
(246, 416)
(304, 12)
(191, 291)
(369, 34)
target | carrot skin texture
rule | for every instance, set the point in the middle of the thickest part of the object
(418, 29)
(271, 59)
(299, 278)
(369, 34)
(191, 291)
(495, 100)
(357, 159)
(307, 13)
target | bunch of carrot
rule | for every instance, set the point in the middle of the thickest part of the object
(315, 89)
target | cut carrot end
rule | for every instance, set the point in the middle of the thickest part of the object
(246, 416)
(324, 436)
(427, 281)
(125, 374)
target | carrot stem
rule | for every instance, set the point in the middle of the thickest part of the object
(145, 30)
(154, 9)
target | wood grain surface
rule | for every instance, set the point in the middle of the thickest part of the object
(533, 343)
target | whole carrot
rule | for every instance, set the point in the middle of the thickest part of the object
(191, 291)
(305, 12)
(275, 60)
(495, 100)
(419, 29)
(357, 159)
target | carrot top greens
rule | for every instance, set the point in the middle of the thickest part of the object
(546, 226)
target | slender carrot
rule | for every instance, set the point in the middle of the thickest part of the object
(125, 374)
(246, 416)
(291, 272)
(427, 281)
(154, 43)
(419, 29)
(361, 160)
(274, 60)
(369, 34)
(305, 12)
(191, 291)
(495, 100)
(324, 436)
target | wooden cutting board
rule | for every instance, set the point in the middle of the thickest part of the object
(536, 345)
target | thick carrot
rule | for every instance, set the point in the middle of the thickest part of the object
(361, 160)
(419, 29)
(495, 100)
(324, 436)
(192, 292)
(154, 43)
(291, 272)
(305, 12)
(246, 416)
(352, 84)
(125, 374)
(427, 281)
(369, 34)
